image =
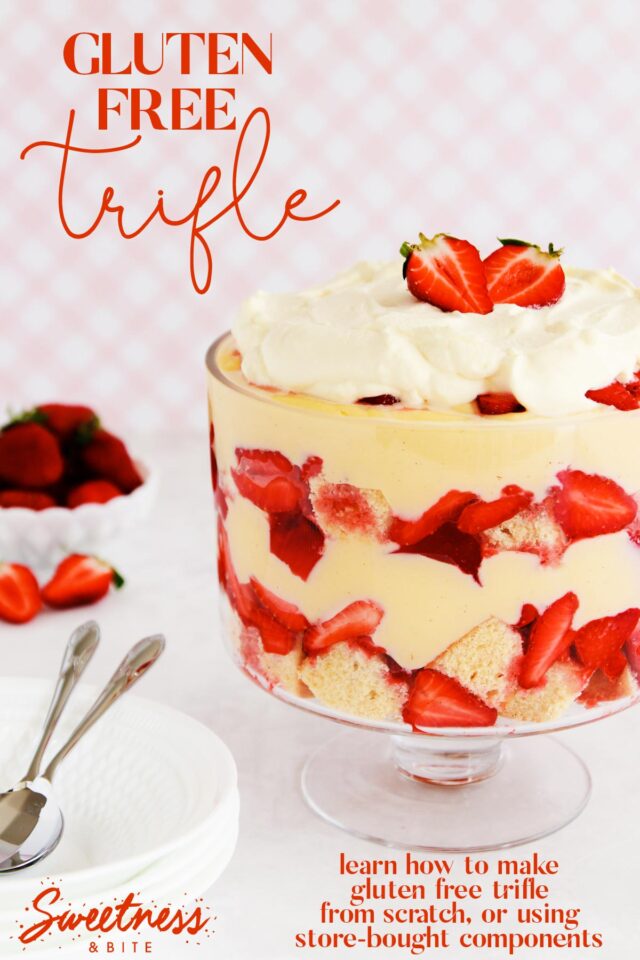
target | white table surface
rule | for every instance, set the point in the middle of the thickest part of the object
(286, 860)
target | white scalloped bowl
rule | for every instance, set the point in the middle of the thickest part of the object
(39, 537)
(147, 786)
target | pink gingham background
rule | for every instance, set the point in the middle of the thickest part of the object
(478, 117)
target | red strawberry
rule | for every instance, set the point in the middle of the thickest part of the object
(93, 491)
(614, 665)
(80, 580)
(447, 273)
(445, 510)
(380, 400)
(29, 499)
(616, 394)
(598, 641)
(19, 593)
(495, 404)
(359, 619)
(450, 545)
(276, 638)
(297, 541)
(311, 468)
(29, 456)
(108, 458)
(269, 480)
(528, 616)
(439, 701)
(521, 273)
(483, 516)
(588, 505)
(550, 637)
(65, 418)
(601, 689)
(286, 613)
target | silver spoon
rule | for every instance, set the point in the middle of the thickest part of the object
(31, 822)
(80, 648)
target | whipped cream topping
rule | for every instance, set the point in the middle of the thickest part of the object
(364, 334)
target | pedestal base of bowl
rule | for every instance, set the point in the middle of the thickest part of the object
(445, 794)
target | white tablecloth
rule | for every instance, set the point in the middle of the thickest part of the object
(286, 863)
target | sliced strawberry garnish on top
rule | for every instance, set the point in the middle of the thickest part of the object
(445, 510)
(587, 505)
(447, 273)
(522, 273)
(359, 619)
(480, 516)
(286, 613)
(268, 479)
(550, 637)
(439, 701)
(496, 404)
(598, 641)
(616, 394)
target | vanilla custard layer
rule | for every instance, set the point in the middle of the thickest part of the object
(414, 458)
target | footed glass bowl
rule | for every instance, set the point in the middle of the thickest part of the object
(456, 582)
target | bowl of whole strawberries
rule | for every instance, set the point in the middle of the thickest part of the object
(66, 484)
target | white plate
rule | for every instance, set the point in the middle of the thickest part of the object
(146, 782)
(43, 537)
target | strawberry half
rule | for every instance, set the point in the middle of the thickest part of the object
(445, 510)
(20, 597)
(480, 516)
(80, 580)
(447, 273)
(550, 637)
(284, 612)
(497, 404)
(358, 619)
(439, 701)
(522, 273)
(587, 505)
(598, 641)
(268, 479)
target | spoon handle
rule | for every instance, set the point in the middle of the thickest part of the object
(81, 646)
(141, 656)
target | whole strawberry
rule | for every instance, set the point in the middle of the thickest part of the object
(64, 419)
(106, 456)
(29, 456)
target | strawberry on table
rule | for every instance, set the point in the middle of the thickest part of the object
(359, 619)
(79, 580)
(522, 273)
(599, 643)
(446, 272)
(29, 456)
(20, 597)
(106, 456)
(29, 499)
(93, 491)
(587, 505)
(436, 700)
(550, 638)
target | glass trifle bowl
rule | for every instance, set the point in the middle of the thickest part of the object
(450, 586)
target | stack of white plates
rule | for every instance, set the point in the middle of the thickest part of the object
(149, 798)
